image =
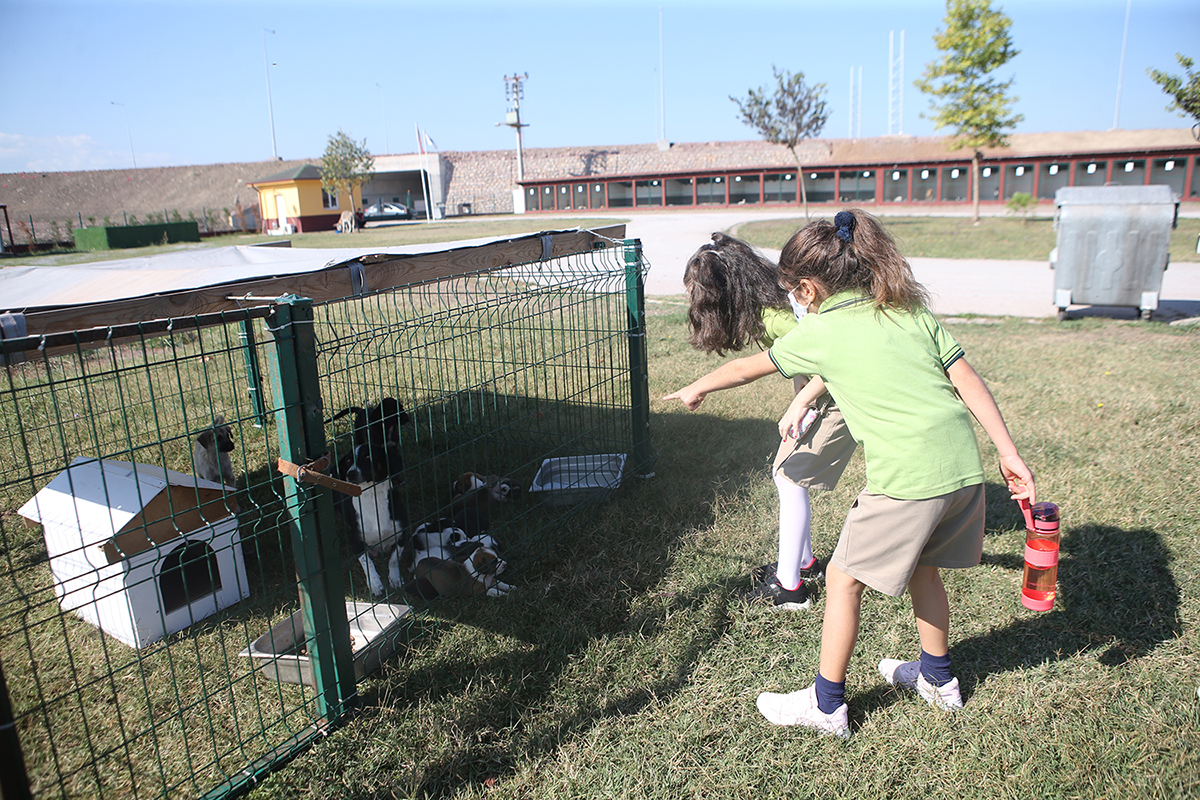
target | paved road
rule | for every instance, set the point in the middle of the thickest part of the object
(958, 286)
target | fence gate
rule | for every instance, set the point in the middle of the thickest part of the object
(169, 632)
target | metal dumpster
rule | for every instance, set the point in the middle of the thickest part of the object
(1112, 246)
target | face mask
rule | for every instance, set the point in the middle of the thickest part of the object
(797, 309)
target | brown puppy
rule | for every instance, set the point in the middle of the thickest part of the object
(210, 454)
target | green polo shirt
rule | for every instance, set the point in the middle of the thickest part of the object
(887, 372)
(776, 323)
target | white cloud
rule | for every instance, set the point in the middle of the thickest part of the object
(21, 153)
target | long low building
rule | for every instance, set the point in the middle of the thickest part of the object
(897, 169)
(921, 171)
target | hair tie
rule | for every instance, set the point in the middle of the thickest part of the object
(844, 222)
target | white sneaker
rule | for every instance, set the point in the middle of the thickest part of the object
(800, 708)
(907, 675)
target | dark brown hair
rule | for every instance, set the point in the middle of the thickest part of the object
(854, 253)
(729, 283)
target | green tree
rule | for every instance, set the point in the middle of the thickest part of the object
(1185, 97)
(345, 166)
(963, 95)
(795, 112)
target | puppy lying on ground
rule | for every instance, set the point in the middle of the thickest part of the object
(210, 453)
(446, 562)
(471, 489)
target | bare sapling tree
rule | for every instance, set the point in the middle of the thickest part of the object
(795, 112)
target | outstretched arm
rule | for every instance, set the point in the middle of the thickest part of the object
(978, 398)
(738, 372)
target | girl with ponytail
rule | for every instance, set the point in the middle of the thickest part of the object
(908, 395)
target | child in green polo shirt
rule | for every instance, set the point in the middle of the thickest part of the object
(908, 395)
(735, 301)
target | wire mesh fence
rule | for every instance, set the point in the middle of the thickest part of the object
(178, 615)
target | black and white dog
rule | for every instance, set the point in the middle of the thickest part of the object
(210, 454)
(376, 519)
(474, 490)
(457, 558)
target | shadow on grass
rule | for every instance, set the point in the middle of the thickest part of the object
(1116, 598)
(590, 587)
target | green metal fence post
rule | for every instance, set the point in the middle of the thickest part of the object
(639, 375)
(299, 420)
(14, 782)
(253, 372)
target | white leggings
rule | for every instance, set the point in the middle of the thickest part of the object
(795, 536)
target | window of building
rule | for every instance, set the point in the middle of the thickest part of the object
(989, 182)
(679, 191)
(620, 194)
(710, 191)
(895, 185)
(819, 187)
(956, 183)
(649, 193)
(1018, 178)
(1091, 173)
(744, 189)
(1169, 172)
(1129, 172)
(1052, 178)
(596, 196)
(924, 184)
(329, 200)
(531, 198)
(562, 198)
(856, 186)
(780, 188)
(1196, 177)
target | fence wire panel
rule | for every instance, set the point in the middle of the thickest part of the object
(495, 372)
(152, 618)
(105, 704)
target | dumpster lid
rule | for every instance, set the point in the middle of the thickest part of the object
(1114, 195)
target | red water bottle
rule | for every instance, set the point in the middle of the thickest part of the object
(1041, 555)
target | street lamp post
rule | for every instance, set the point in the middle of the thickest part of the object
(514, 91)
(127, 131)
(270, 111)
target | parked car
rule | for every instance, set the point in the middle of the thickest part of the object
(383, 212)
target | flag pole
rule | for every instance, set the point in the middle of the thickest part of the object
(424, 186)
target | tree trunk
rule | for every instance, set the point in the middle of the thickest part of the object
(975, 184)
(800, 176)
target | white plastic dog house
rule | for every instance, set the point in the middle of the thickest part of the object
(139, 551)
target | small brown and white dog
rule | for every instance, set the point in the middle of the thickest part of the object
(448, 563)
(472, 489)
(210, 454)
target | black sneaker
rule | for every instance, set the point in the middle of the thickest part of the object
(771, 593)
(815, 572)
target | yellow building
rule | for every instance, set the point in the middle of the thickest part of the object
(294, 202)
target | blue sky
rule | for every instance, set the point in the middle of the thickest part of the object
(192, 80)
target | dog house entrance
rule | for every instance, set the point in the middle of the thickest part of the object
(188, 573)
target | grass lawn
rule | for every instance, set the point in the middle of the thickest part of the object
(933, 237)
(958, 237)
(375, 236)
(625, 666)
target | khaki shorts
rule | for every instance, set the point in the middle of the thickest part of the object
(884, 539)
(818, 459)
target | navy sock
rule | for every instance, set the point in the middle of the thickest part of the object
(830, 695)
(936, 669)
